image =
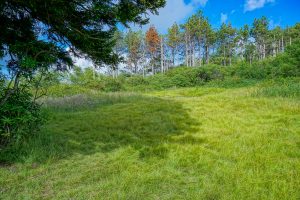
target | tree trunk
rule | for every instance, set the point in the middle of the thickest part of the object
(224, 57)
(9, 91)
(190, 51)
(207, 54)
(282, 44)
(173, 57)
(242, 51)
(193, 53)
(152, 65)
(186, 51)
(264, 51)
(200, 55)
(135, 67)
(260, 52)
(230, 58)
(161, 55)
(274, 46)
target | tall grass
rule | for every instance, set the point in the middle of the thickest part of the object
(289, 88)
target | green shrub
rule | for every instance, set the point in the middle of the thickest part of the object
(282, 67)
(182, 76)
(287, 64)
(159, 81)
(210, 72)
(293, 52)
(137, 80)
(112, 84)
(20, 117)
(258, 70)
(61, 90)
(186, 76)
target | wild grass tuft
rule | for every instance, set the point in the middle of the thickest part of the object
(289, 88)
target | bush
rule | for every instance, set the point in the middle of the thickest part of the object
(159, 81)
(209, 73)
(112, 84)
(288, 63)
(293, 52)
(182, 76)
(137, 80)
(186, 76)
(284, 68)
(20, 117)
(61, 90)
(289, 87)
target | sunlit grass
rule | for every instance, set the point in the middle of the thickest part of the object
(191, 143)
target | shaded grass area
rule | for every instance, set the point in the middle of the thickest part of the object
(101, 123)
(191, 143)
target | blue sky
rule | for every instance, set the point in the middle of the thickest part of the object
(238, 12)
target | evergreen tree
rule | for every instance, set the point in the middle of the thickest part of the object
(133, 41)
(243, 34)
(259, 32)
(174, 38)
(153, 45)
(209, 37)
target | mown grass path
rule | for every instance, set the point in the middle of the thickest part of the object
(194, 143)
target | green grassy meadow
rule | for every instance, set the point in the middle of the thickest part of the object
(209, 142)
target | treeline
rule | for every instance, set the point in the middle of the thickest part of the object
(196, 43)
(284, 66)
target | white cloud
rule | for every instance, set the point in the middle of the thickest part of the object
(81, 60)
(255, 4)
(224, 18)
(174, 11)
(199, 2)
(273, 24)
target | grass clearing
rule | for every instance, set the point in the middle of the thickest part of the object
(191, 143)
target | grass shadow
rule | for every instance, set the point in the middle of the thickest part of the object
(116, 120)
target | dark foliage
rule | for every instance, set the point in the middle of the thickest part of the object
(19, 117)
